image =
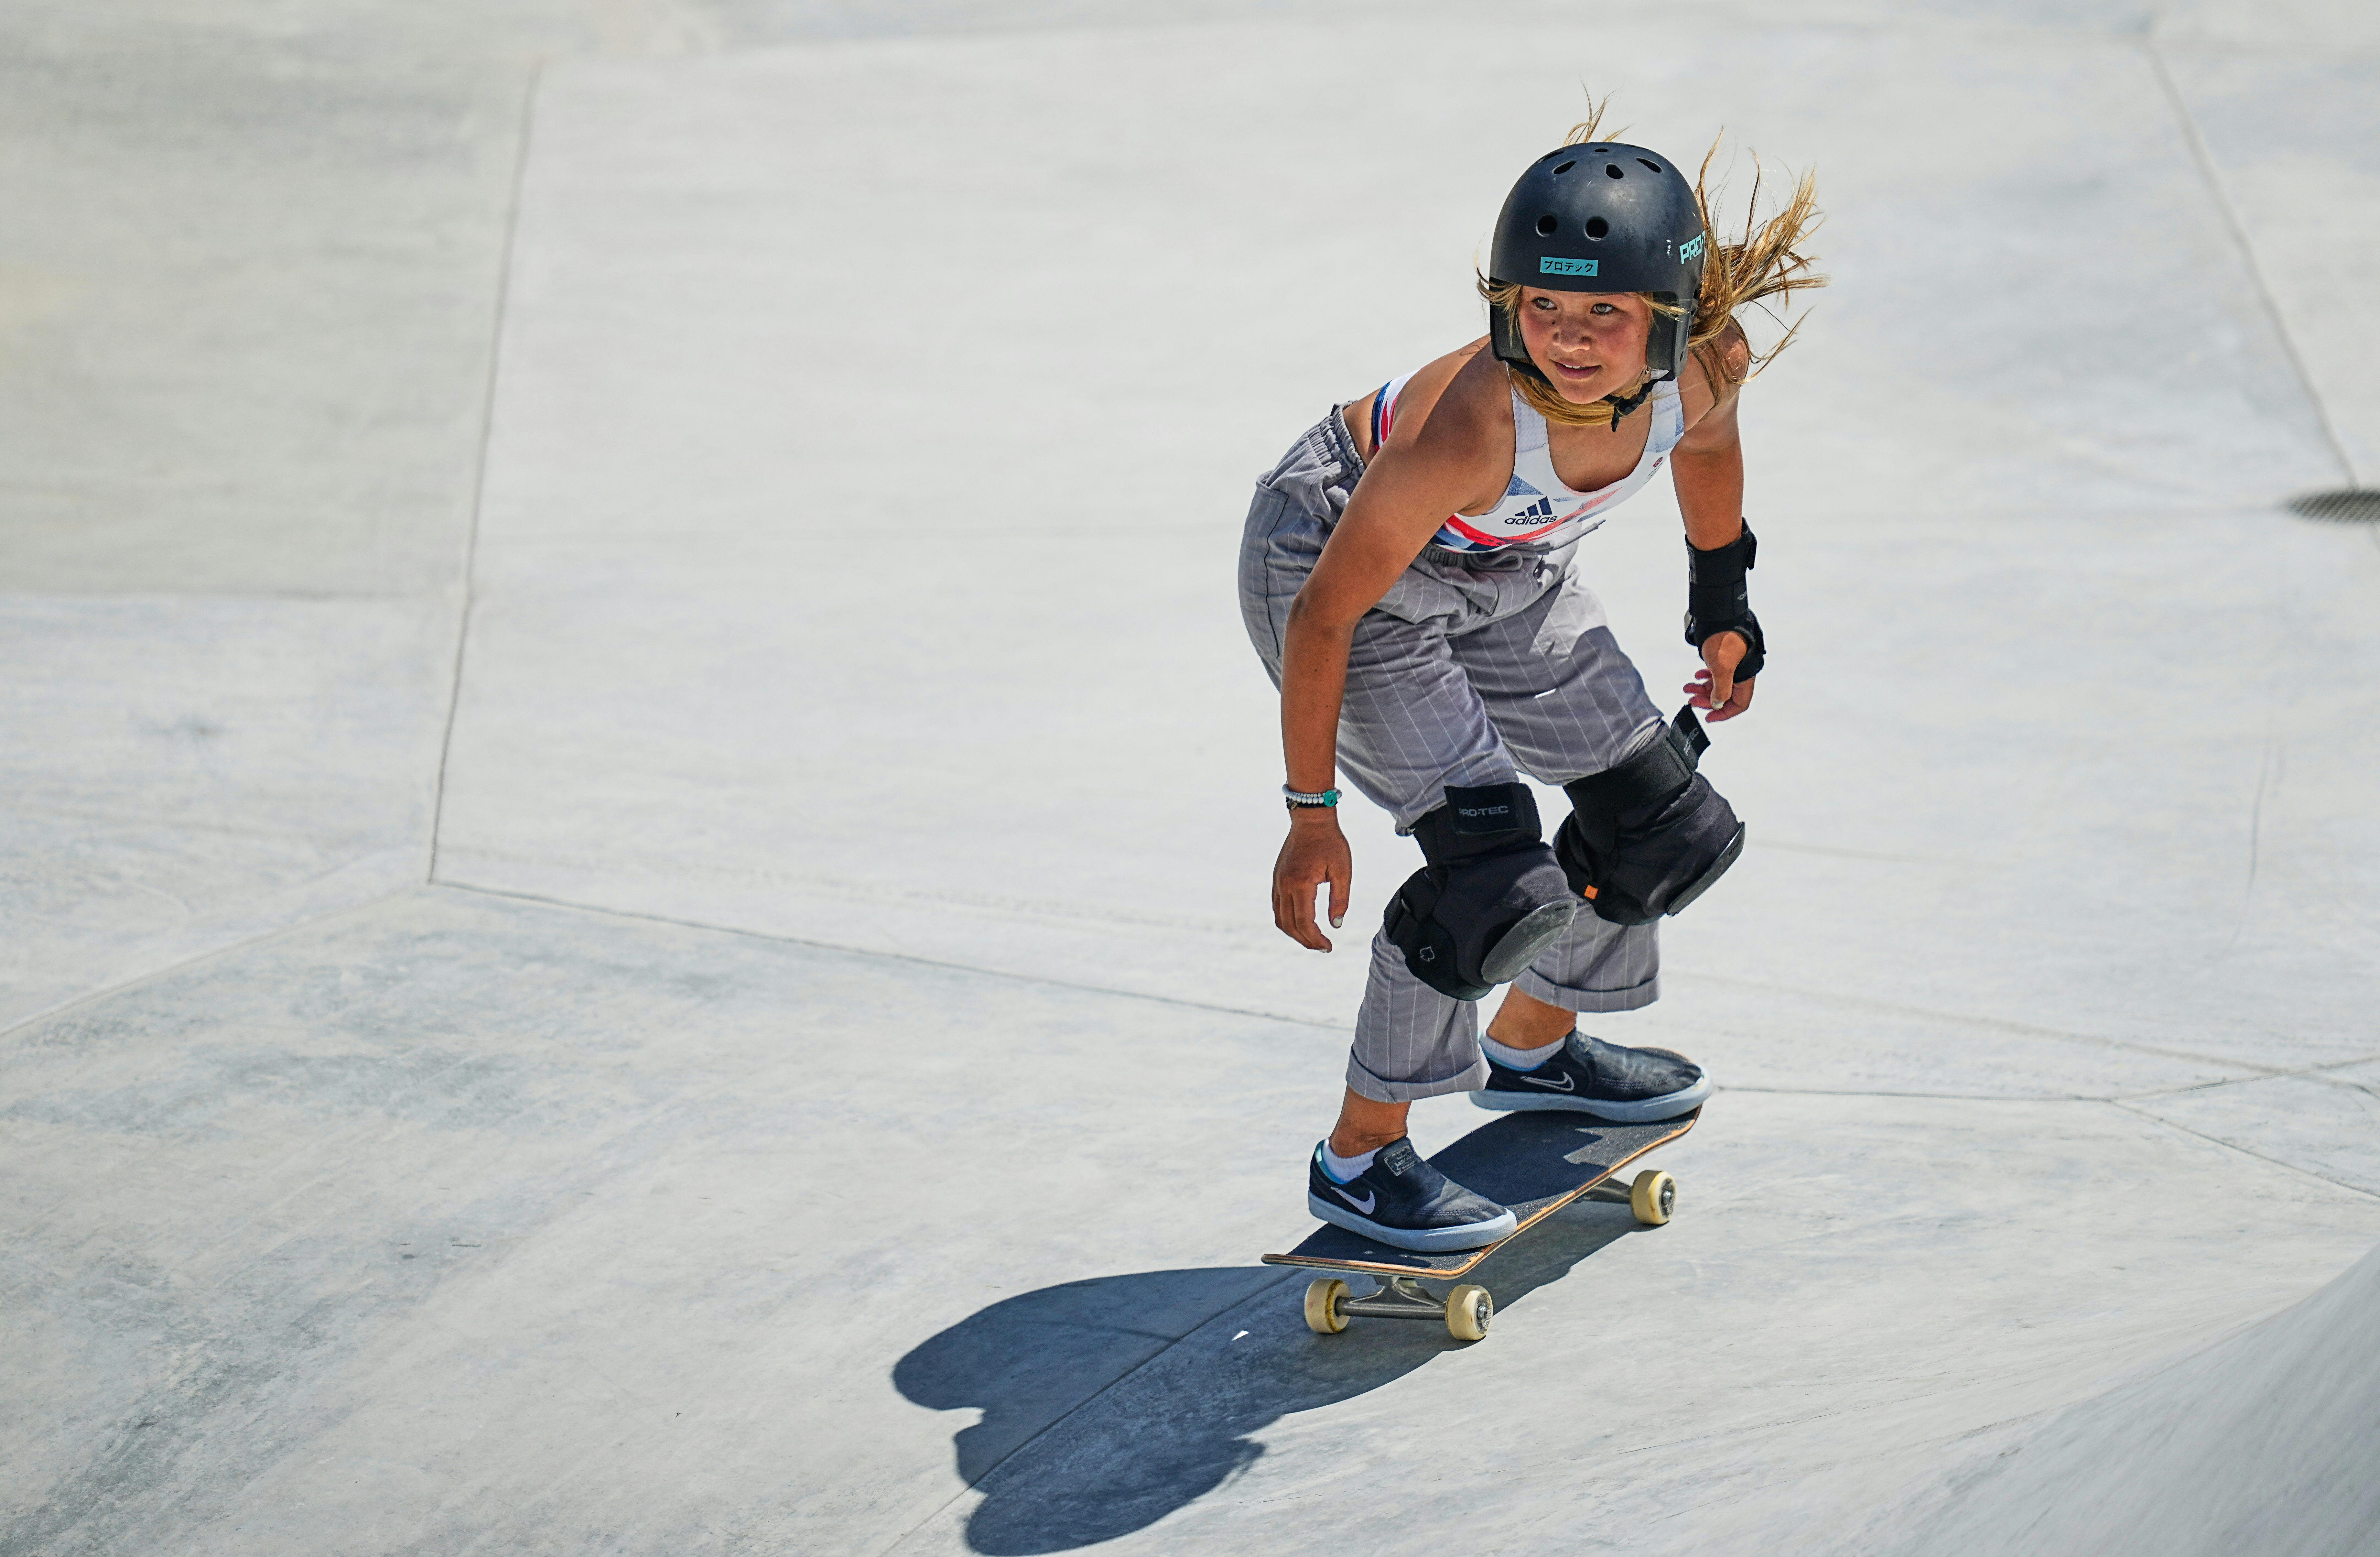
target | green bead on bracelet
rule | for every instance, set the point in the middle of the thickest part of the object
(1294, 798)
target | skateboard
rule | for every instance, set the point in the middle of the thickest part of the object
(1535, 1164)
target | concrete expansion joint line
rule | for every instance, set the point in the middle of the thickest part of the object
(2331, 1180)
(1041, 979)
(2203, 155)
(2318, 1073)
(1225, 1312)
(262, 938)
(479, 478)
(2062, 1035)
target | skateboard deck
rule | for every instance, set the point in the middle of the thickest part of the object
(1534, 1163)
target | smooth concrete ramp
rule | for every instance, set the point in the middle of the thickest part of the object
(608, 949)
(2267, 1441)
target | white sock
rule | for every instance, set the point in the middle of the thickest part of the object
(1519, 1059)
(1346, 1170)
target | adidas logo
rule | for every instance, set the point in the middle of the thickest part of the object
(1536, 513)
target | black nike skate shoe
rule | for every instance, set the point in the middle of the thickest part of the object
(1588, 1076)
(1404, 1202)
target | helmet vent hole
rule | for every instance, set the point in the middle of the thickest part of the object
(1546, 225)
(1613, 170)
(1655, 167)
(1565, 167)
(1597, 226)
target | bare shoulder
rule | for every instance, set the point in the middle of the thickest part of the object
(1451, 449)
(1468, 400)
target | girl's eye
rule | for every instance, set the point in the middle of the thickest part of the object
(1545, 304)
(1605, 307)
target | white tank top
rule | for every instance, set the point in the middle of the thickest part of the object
(1537, 508)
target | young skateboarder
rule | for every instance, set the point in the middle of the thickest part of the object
(1408, 577)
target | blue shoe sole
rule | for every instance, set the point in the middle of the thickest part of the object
(1651, 1111)
(1420, 1240)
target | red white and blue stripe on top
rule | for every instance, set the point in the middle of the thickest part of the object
(1537, 509)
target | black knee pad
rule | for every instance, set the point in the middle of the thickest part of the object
(1491, 897)
(1649, 837)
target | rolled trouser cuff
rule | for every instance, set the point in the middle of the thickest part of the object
(1366, 1083)
(1597, 967)
(1635, 997)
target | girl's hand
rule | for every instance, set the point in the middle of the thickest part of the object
(1714, 688)
(1315, 852)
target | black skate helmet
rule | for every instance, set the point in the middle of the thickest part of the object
(1602, 217)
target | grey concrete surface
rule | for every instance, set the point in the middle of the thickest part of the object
(455, 1223)
(2235, 1449)
(183, 774)
(461, 458)
(2287, 138)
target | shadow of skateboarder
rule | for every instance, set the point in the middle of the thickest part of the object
(1108, 1404)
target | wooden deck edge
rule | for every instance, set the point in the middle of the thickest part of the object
(1457, 1273)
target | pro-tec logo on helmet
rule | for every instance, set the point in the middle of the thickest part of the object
(1551, 265)
(1691, 248)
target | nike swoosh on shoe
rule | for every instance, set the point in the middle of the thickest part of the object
(1567, 1084)
(1363, 1205)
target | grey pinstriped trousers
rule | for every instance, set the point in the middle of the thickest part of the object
(1472, 669)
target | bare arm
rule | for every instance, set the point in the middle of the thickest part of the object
(1706, 468)
(1433, 464)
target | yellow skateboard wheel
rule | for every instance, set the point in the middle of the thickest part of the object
(1323, 1315)
(1653, 1197)
(1468, 1309)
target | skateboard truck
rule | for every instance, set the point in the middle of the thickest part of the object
(1465, 1311)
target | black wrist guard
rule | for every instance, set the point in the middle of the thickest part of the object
(1716, 600)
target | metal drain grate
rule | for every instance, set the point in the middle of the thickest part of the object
(2354, 506)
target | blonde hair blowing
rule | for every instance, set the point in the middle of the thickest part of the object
(1767, 262)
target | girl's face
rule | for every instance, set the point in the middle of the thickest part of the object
(1587, 344)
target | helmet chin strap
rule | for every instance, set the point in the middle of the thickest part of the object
(1622, 403)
